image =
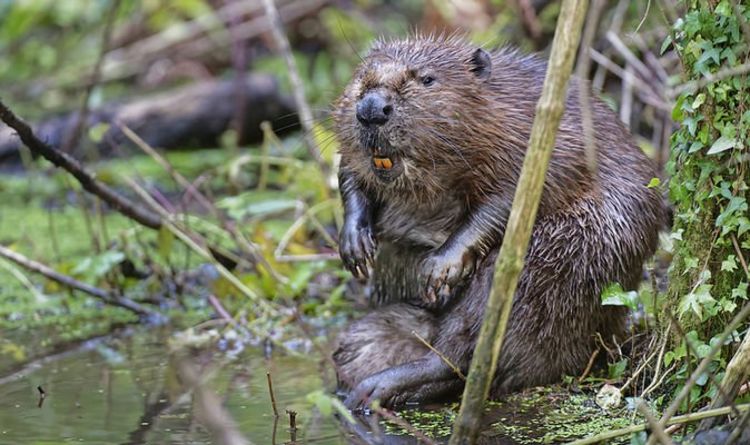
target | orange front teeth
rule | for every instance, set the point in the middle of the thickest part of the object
(384, 163)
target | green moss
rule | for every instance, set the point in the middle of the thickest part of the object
(536, 416)
(553, 415)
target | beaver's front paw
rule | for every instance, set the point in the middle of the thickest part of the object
(443, 269)
(357, 248)
(379, 387)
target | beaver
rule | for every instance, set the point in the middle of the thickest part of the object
(433, 132)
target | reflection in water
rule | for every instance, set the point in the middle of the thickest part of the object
(126, 391)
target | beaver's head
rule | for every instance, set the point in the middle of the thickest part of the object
(409, 105)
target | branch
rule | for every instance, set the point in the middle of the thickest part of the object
(510, 261)
(75, 134)
(736, 374)
(71, 165)
(703, 366)
(687, 418)
(305, 115)
(72, 283)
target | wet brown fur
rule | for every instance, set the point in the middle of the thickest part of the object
(462, 141)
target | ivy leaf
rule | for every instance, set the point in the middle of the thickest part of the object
(723, 9)
(730, 264)
(699, 100)
(711, 53)
(744, 225)
(737, 206)
(665, 45)
(740, 291)
(97, 132)
(677, 113)
(695, 146)
(697, 301)
(722, 144)
(614, 295)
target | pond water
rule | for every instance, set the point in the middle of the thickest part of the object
(125, 390)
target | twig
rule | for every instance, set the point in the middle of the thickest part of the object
(75, 133)
(590, 364)
(306, 117)
(674, 406)
(22, 278)
(615, 26)
(646, 93)
(273, 397)
(220, 309)
(636, 373)
(299, 222)
(72, 166)
(584, 88)
(722, 74)
(393, 418)
(645, 15)
(292, 425)
(190, 188)
(202, 251)
(626, 101)
(687, 418)
(628, 55)
(307, 258)
(657, 430)
(735, 375)
(722, 396)
(72, 283)
(655, 380)
(239, 64)
(742, 424)
(442, 356)
(530, 20)
(740, 255)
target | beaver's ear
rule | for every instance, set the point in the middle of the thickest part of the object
(481, 64)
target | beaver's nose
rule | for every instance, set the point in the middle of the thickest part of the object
(373, 109)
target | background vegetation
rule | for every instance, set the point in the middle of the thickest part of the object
(247, 244)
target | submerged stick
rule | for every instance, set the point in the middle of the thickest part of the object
(522, 216)
(72, 283)
(273, 398)
(292, 425)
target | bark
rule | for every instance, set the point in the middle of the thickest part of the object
(522, 216)
(738, 371)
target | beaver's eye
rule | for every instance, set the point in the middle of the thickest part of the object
(427, 80)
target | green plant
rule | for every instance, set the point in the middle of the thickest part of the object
(708, 186)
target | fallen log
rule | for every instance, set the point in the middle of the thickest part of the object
(194, 116)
